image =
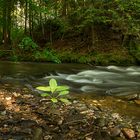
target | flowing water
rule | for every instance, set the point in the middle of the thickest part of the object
(82, 79)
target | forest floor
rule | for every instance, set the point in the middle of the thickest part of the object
(27, 116)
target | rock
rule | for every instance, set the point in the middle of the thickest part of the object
(131, 96)
(81, 107)
(115, 131)
(88, 138)
(60, 120)
(15, 136)
(38, 134)
(115, 115)
(75, 102)
(27, 123)
(73, 111)
(2, 108)
(100, 122)
(118, 138)
(128, 133)
(94, 108)
(103, 135)
(138, 135)
(73, 133)
(97, 136)
(25, 130)
(88, 112)
(3, 112)
(137, 102)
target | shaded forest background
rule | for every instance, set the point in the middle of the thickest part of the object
(99, 32)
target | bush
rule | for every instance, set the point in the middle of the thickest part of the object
(27, 44)
(47, 55)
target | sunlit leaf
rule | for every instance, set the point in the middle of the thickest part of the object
(66, 101)
(53, 85)
(45, 94)
(62, 88)
(54, 100)
(43, 88)
(65, 92)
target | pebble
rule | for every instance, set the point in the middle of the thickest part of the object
(82, 107)
(88, 138)
(8, 98)
(3, 112)
(128, 133)
(38, 133)
(115, 115)
(101, 135)
(75, 102)
(137, 102)
(100, 122)
(115, 131)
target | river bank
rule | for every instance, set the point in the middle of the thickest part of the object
(26, 115)
(72, 52)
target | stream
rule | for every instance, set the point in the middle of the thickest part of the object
(109, 80)
(83, 80)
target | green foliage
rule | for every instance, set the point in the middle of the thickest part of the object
(27, 44)
(67, 21)
(70, 56)
(2, 54)
(84, 59)
(114, 58)
(47, 55)
(14, 58)
(54, 92)
(135, 50)
(17, 34)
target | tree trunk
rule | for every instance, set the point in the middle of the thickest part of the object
(7, 8)
(64, 9)
(26, 16)
(30, 19)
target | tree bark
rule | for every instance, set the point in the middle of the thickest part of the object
(7, 8)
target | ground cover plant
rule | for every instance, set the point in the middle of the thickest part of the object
(54, 92)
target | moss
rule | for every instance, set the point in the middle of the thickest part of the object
(113, 58)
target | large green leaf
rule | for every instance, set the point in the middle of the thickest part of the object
(54, 100)
(62, 93)
(43, 88)
(53, 85)
(62, 88)
(66, 101)
(45, 94)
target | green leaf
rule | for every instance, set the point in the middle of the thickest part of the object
(44, 88)
(45, 94)
(65, 92)
(66, 101)
(53, 85)
(62, 88)
(54, 100)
